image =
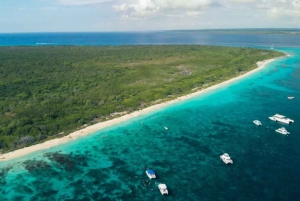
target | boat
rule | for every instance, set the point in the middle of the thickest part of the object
(281, 118)
(226, 158)
(257, 122)
(290, 97)
(282, 130)
(166, 128)
(163, 189)
(150, 174)
(272, 47)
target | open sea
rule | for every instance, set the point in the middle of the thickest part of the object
(110, 164)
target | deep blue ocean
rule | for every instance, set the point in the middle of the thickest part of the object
(110, 164)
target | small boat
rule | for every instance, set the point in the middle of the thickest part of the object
(163, 189)
(226, 158)
(272, 47)
(290, 97)
(150, 174)
(166, 128)
(281, 118)
(282, 130)
(257, 122)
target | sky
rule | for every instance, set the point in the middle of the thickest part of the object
(145, 15)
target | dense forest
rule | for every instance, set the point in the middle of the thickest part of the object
(50, 91)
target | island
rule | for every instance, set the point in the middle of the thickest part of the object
(53, 94)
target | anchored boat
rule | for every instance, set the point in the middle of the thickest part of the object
(226, 158)
(150, 174)
(282, 130)
(163, 189)
(281, 118)
(257, 122)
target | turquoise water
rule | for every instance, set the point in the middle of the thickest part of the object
(110, 164)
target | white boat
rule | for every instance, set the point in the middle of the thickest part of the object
(150, 174)
(272, 47)
(282, 130)
(281, 118)
(163, 189)
(290, 97)
(257, 122)
(166, 128)
(226, 158)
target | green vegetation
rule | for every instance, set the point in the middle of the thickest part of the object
(49, 91)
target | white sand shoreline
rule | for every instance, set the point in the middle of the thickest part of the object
(101, 125)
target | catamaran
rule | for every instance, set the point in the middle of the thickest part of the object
(282, 130)
(150, 174)
(163, 189)
(281, 118)
(226, 158)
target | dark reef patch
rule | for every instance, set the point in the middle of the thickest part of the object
(36, 165)
(67, 161)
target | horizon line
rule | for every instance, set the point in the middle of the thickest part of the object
(136, 31)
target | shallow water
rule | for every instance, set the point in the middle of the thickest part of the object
(110, 164)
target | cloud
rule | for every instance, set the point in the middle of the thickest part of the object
(144, 8)
(242, 1)
(82, 2)
(274, 9)
(181, 4)
(296, 4)
(284, 9)
(279, 12)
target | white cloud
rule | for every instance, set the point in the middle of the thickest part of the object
(296, 4)
(162, 7)
(143, 8)
(279, 12)
(82, 2)
(243, 1)
(284, 9)
(181, 4)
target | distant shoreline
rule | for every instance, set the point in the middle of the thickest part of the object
(101, 125)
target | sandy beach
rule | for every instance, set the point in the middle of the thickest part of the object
(101, 125)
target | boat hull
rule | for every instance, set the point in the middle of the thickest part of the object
(151, 176)
(258, 123)
(286, 121)
(163, 189)
(226, 159)
(283, 133)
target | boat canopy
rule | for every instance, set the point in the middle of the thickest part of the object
(150, 171)
(279, 116)
(162, 185)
